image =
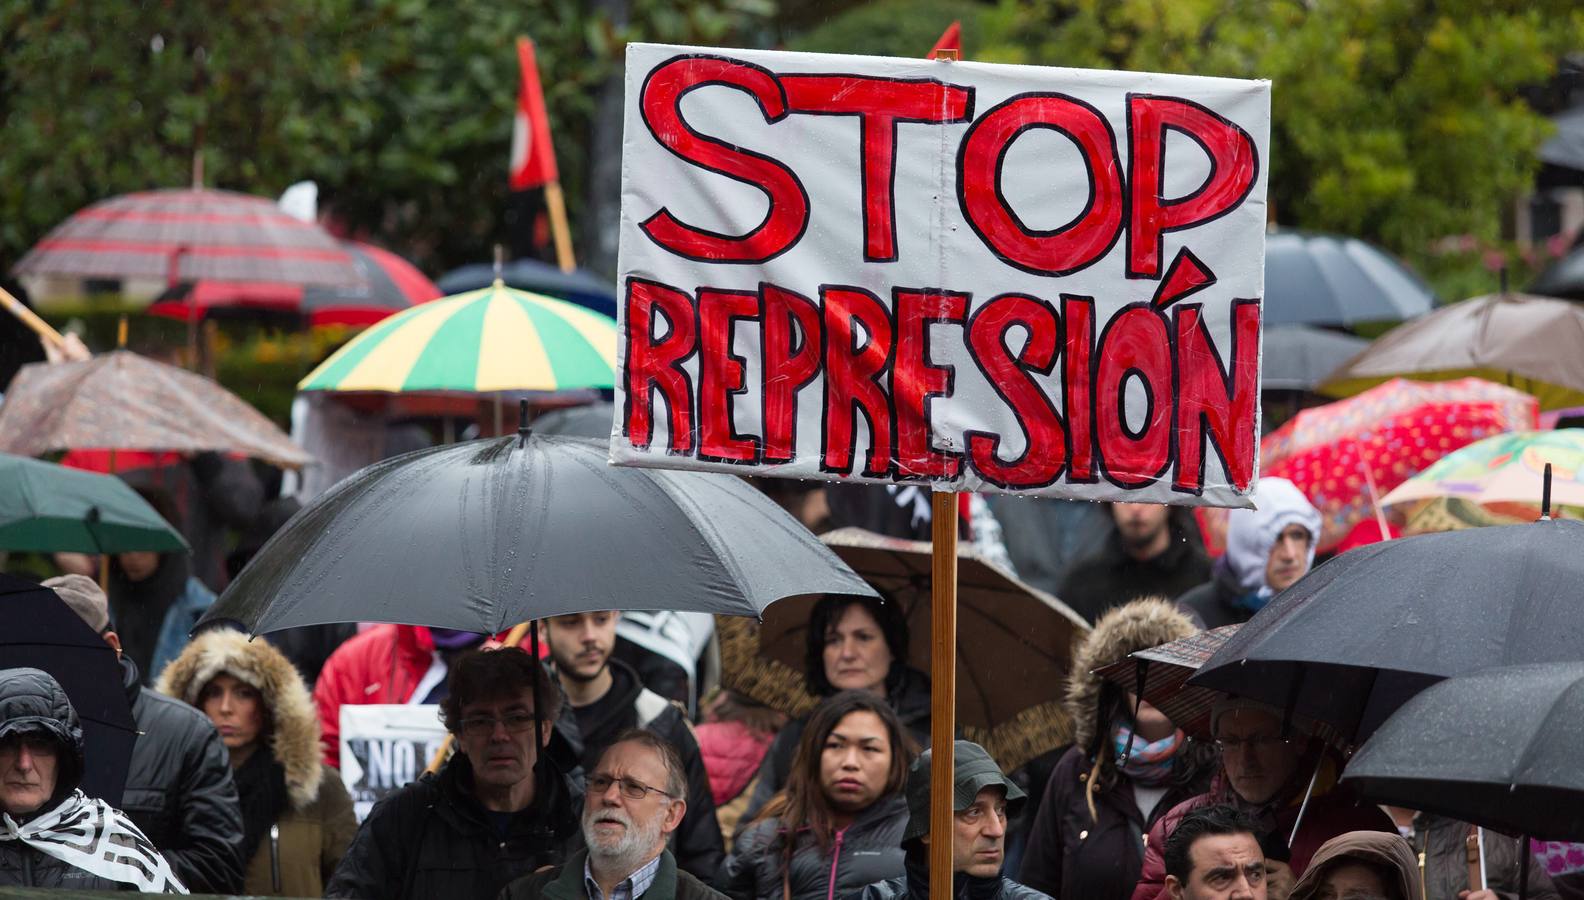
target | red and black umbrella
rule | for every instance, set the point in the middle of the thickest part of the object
(191, 235)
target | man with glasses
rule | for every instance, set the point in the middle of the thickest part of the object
(1267, 766)
(499, 809)
(637, 795)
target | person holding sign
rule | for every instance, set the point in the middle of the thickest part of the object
(637, 795)
(500, 808)
(296, 815)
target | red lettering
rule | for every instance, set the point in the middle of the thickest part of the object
(1212, 399)
(1136, 342)
(721, 374)
(1044, 448)
(1234, 166)
(787, 216)
(1078, 385)
(657, 364)
(791, 359)
(914, 381)
(1078, 243)
(852, 379)
(881, 103)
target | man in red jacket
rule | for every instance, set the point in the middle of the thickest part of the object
(1266, 774)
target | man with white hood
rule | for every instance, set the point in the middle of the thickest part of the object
(1268, 548)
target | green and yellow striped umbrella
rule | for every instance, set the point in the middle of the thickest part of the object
(495, 339)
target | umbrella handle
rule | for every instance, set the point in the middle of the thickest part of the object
(513, 637)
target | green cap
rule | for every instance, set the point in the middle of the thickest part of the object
(975, 771)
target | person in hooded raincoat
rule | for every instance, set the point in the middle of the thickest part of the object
(1267, 549)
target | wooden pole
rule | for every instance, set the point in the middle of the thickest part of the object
(43, 329)
(943, 689)
(555, 202)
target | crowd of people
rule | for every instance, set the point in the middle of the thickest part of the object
(583, 776)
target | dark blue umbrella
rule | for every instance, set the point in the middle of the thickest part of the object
(42, 632)
(1323, 279)
(579, 286)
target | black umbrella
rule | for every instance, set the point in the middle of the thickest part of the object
(1351, 641)
(579, 286)
(42, 632)
(1323, 279)
(592, 420)
(483, 535)
(1563, 278)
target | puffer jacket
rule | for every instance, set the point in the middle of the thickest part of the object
(317, 823)
(1441, 840)
(179, 789)
(1076, 854)
(867, 851)
(914, 885)
(433, 838)
(381, 665)
(732, 753)
(29, 699)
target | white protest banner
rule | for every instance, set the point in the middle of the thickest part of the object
(979, 277)
(385, 746)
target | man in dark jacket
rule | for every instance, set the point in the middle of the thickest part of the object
(1154, 551)
(51, 835)
(606, 698)
(179, 788)
(635, 801)
(499, 809)
(982, 797)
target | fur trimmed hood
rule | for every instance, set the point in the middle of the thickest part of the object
(1144, 623)
(294, 740)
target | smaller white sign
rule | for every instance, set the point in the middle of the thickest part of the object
(384, 747)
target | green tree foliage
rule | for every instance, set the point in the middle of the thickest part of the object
(400, 109)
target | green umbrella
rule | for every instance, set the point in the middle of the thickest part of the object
(47, 508)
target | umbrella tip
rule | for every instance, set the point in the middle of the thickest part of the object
(523, 431)
(1545, 494)
(500, 263)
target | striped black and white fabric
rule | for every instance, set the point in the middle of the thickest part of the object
(98, 838)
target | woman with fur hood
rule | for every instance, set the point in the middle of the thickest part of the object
(1087, 842)
(296, 815)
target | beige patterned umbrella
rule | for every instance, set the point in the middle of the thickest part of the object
(1014, 644)
(123, 401)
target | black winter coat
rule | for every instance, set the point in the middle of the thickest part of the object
(1214, 603)
(867, 851)
(179, 790)
(697, 842)
(1073, 856)
(914, 885)
(433, 838)
(1112, 578)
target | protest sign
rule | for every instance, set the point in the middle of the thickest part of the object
(385, 746)
(971, 276)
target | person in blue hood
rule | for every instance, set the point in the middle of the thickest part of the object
(1268, 548)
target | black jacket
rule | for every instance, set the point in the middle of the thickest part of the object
(1214, 603)
(1113, 578)
(433, 838)
(179, 790)
(1073, 856)
(697, 842)
(566, 883)
(867, 851)
(910, 700)
(914, 885)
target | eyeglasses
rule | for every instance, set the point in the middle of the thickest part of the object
(1255, 742)
(631, 788)
(484, 726)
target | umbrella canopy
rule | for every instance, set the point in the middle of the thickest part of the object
(1014, 644)
(1563, 278)
(42, 632)
(1298, 357)
(482, 535)
(1346, 455)
(1352, 640)
(388, 284)
(190, 235)
(1166, 671)
(579, 286)
(1322, 279)
(1505, 472)
(1498, 748)
(495, 339)
(128, 402)
(1535, 344)
(46, 508)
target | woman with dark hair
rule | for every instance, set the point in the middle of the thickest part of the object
(838, 824)
(1122, 772)
(854, 644)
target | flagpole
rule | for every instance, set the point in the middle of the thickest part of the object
(555, 202)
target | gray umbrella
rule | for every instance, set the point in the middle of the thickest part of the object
(1322, 279)
(1497, 747)
(1566, 147)
(1563, 278)
(483, 535)
(1298, 357)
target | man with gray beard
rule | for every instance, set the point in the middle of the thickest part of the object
(636, 798)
